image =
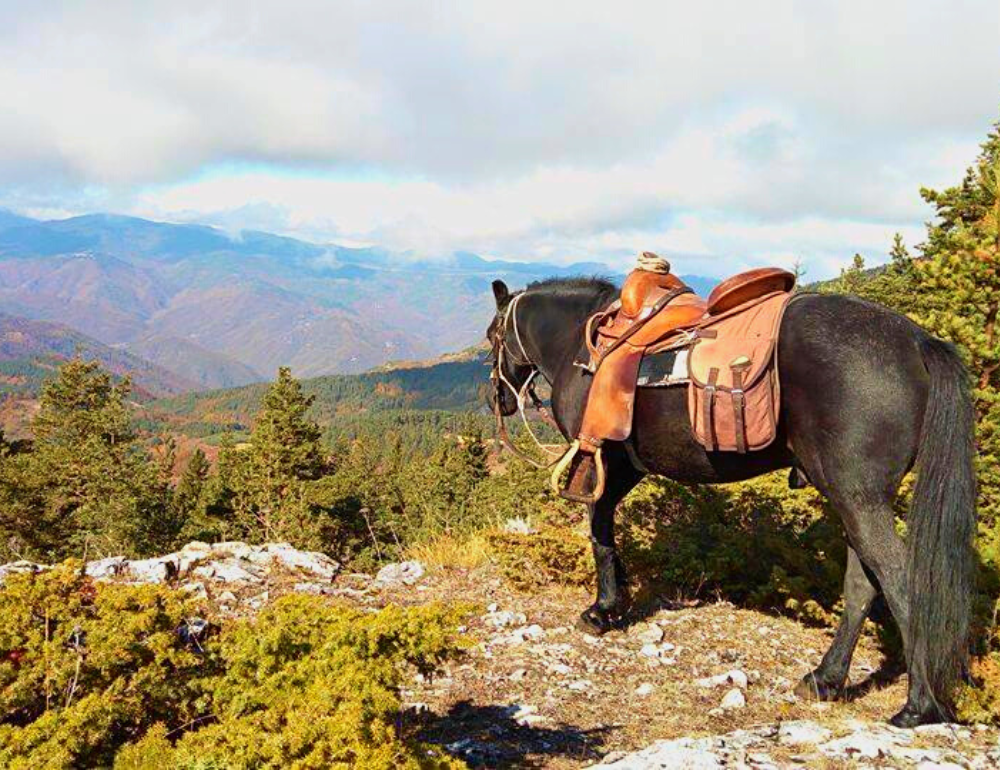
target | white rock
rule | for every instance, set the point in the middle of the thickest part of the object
(405, 572)
(227, 597)
(581, 685)
(686, 753)
(732, 677)
(518, 674)
(235, 548)
(191, 554)
(228, 571)
(505, 618)
(650, 651)
(802, 731)
(737, 678)
(196, 548)
(309, 561)
(196, 589)
(734, 699)
(20, 567)
(526, 715)
(872, 743)
(105, 569)
(532, 633)
(644, 689)
(158, 570)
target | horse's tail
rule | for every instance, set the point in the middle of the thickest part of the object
(942, 524)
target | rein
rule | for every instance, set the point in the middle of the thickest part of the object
(522, 394)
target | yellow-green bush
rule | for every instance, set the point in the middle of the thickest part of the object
(86, 668)
(95, 675)
(310, 685)
(551, 556)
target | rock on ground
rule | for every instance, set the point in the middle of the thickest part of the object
(405, 572)
(858, 745)
(227, 562)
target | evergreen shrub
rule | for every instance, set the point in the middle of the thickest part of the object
(95, 675)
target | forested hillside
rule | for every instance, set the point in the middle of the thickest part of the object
(344, 405)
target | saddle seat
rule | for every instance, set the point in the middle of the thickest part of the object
(652, 306)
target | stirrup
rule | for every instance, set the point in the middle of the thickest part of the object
(587, 498)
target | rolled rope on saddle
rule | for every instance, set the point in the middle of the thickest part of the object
(652, 263)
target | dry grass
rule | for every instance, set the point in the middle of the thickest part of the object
(449, 552)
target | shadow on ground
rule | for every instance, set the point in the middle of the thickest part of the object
(492, 736)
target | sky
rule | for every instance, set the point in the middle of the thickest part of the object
(722, 135)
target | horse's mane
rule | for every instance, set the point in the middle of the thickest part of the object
(600, 288)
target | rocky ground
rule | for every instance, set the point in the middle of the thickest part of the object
(686, 686)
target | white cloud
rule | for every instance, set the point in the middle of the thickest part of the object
(533, 130)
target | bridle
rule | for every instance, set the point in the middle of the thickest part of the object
(526, 392)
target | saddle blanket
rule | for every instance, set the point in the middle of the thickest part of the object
(670, 367)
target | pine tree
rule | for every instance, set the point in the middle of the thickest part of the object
(189, 488)
(894, 285)
(852, 278)
(959, 295)
(88, 484)
(187, 502)
(284, 442)
(272, 495)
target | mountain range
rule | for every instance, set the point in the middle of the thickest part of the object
(216, 310)
(30, 352)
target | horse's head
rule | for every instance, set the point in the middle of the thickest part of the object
(511, 368)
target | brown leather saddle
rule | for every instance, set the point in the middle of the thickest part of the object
(738, 325)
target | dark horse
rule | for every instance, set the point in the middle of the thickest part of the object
(866, 395)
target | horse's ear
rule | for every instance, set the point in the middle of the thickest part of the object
(500, 292)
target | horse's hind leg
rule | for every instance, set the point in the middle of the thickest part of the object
(872, 533)
(827, 681)
(605, 613)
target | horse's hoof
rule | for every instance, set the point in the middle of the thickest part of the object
(811, 688)
(595, 621)
(914, 717)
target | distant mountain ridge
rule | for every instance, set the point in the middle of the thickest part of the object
(31, 351)
(220, 310)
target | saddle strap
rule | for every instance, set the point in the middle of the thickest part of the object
(739, 410)
(708, 407)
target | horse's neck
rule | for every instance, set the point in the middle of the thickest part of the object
(552, 329)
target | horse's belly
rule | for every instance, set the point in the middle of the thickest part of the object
(664, 442)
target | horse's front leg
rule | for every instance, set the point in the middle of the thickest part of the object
(612, 582)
